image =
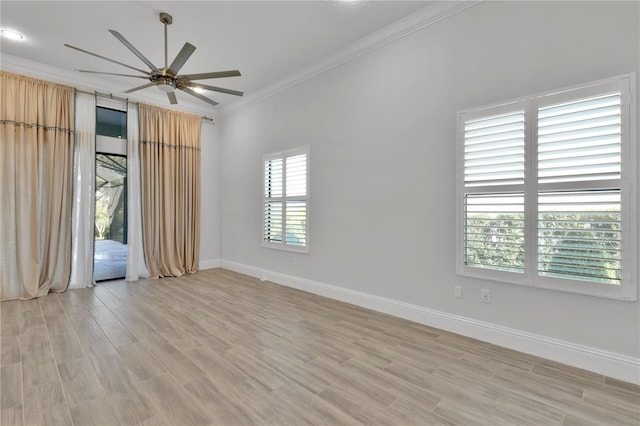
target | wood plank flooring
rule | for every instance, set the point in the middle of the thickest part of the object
(220, 348)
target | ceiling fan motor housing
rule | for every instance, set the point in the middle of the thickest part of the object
(166, 83)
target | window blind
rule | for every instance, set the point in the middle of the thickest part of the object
(580, 140)
(494, 231)
(494, 150)
(273, 221)
(297, 176)
(579, 235)
(296, 223)
(273, 189)
(273, 178)
(579, 231)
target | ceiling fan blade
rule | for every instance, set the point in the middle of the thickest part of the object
(172, 98)
(114, 73)
(133, 50)
(206, 75)
(185, 53)
(199, 96)
(215, 89)
(105, 58)
(144, 86)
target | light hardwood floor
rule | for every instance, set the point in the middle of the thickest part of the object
(226, 349)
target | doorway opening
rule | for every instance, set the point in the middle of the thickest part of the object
(110, 221)
(110, 232)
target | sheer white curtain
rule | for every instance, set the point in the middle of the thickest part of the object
(136, 267)
(84, 192)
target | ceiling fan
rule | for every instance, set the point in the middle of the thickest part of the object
(167, 78)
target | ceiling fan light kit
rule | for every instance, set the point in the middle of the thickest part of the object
(165, 84)
(167, 78)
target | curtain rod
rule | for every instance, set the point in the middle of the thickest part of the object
(103, 95)
(110, 96)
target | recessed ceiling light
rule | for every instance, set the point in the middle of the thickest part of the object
(12, 35)
(198, 90)
(354, 4)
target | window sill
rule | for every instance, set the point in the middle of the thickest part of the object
(286, 247)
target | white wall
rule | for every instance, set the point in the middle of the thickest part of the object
(382, 135)
(209, 196)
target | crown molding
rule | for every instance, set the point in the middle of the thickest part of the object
(431, 14)
(89, 83)
(423, 18)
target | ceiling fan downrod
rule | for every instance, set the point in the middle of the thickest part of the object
(166, 19)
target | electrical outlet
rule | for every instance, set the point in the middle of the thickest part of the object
(485, 296)
(294, 262)
(458, 291)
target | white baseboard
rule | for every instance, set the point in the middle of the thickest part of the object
(610, 364)
(209, 264)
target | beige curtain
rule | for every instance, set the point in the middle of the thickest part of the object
(36, 166)
(170, 181)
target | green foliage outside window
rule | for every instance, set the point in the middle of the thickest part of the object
(582, 245)
(495, 241)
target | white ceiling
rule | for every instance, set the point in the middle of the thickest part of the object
(268, 41)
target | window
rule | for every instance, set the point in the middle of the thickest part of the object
(111, 122)
(286, 200)
(545, 190)
(111, 125)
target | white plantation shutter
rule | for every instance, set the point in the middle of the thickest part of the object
(297, 176)
(273, 221)
(273, 190)
(579, 232)
(580, 140)
(296, 207)
(286, 200)
(296, 223)
(494, 169)
(547, 191)
(579, 235)
(273, 178)
(494, 150)
(494, 231)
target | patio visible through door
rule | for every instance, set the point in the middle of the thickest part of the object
(110, 233)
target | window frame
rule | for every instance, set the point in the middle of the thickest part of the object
(283, 155)
(627, 290)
